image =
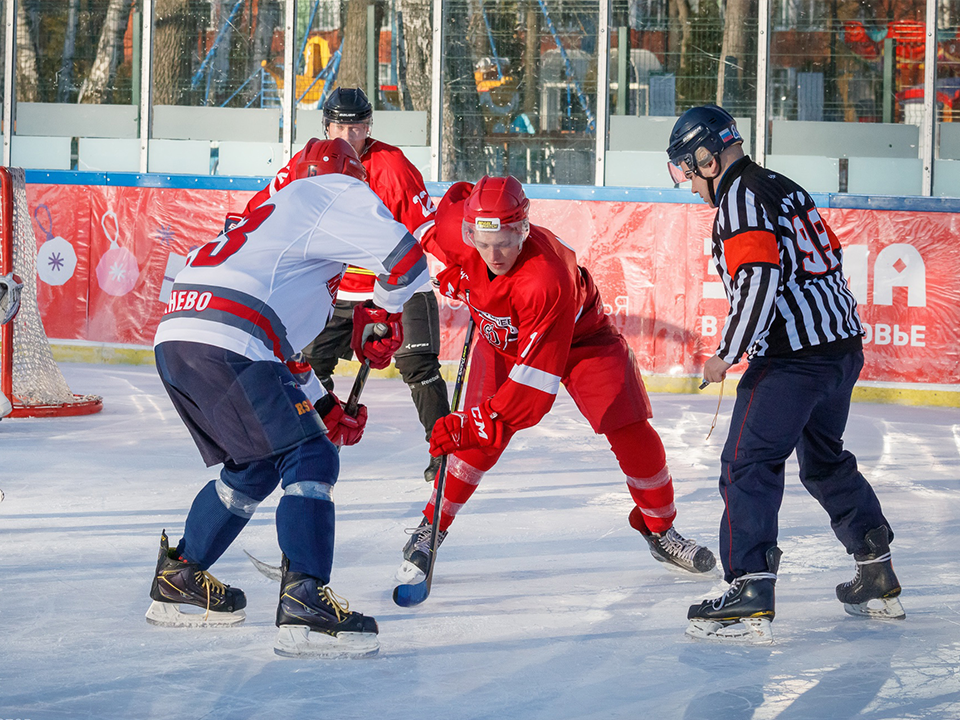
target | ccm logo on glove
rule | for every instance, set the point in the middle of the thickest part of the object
(478, 427)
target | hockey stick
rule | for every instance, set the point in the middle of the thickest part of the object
(352, 406)
(410, 595)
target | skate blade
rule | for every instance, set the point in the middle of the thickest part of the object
(878, 609)
(170, 615)
(296, 641)
(409, 574)
(753, 631)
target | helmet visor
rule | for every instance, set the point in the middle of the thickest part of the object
(677, 173)
(489, 232)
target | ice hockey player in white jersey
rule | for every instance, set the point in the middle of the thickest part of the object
(239, 311)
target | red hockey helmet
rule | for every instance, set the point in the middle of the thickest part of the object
(495, 205)
(326, 157)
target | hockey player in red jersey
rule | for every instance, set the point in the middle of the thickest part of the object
(239, 311)
(347, 114)
(541, 323)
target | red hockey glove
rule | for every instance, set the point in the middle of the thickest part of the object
(367, 346)
(452, 283)
(477, 427)
(341, 428)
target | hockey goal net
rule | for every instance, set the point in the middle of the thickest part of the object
(29, 376)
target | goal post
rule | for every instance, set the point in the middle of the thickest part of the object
(29, 376)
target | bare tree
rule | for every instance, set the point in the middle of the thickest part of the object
(417, 68)
(173, 35)
(28, 80)
(353, 61)
(109, 51)
(736, 53)
(462, 134)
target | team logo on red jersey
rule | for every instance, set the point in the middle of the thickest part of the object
(497, 330)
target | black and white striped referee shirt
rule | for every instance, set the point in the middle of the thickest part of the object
(780, 267)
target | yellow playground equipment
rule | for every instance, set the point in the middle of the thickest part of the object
(309, 89)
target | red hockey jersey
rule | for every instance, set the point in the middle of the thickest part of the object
(532, 315)
(396, 182)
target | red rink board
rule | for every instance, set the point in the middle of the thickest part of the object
(650, 260)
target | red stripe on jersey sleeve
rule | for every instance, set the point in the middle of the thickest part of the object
(403, 266)
(753, 246)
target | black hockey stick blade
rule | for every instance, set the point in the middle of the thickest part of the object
(268, 571)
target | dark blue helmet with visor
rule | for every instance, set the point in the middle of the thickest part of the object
(709, 127)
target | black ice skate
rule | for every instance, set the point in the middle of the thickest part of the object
(672, 548)
(874, 591)
(314, 622)
(178, 583)
(743, 613)
(416, 554)
(430, 474)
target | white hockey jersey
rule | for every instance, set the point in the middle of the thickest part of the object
(266, 288)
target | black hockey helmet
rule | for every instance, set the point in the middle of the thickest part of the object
(347, 105)
(707, 126)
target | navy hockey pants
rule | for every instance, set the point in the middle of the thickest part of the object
(784, 404)
(253, 417)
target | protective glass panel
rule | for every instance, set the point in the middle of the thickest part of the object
(385, 49)
(846, 94)
(948, 61)
(77, 80)
(70, 51)
(218, 53)
(667, 56)
(520, 93)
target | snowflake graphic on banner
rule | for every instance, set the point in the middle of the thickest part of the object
(56, 259)
(165, 234)
(118, 272)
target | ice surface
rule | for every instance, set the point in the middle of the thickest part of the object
(545, 605)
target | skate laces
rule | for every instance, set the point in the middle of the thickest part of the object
(421, 534)
(678, 546)
(209, 583)
(339, 605)
(734, 588)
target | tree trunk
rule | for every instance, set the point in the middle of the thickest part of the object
(109, 50)
(174, 35)
(462, 135)
(28, 81)
(735, 54)
(353, 61)
(417, 69)
(65, 81)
